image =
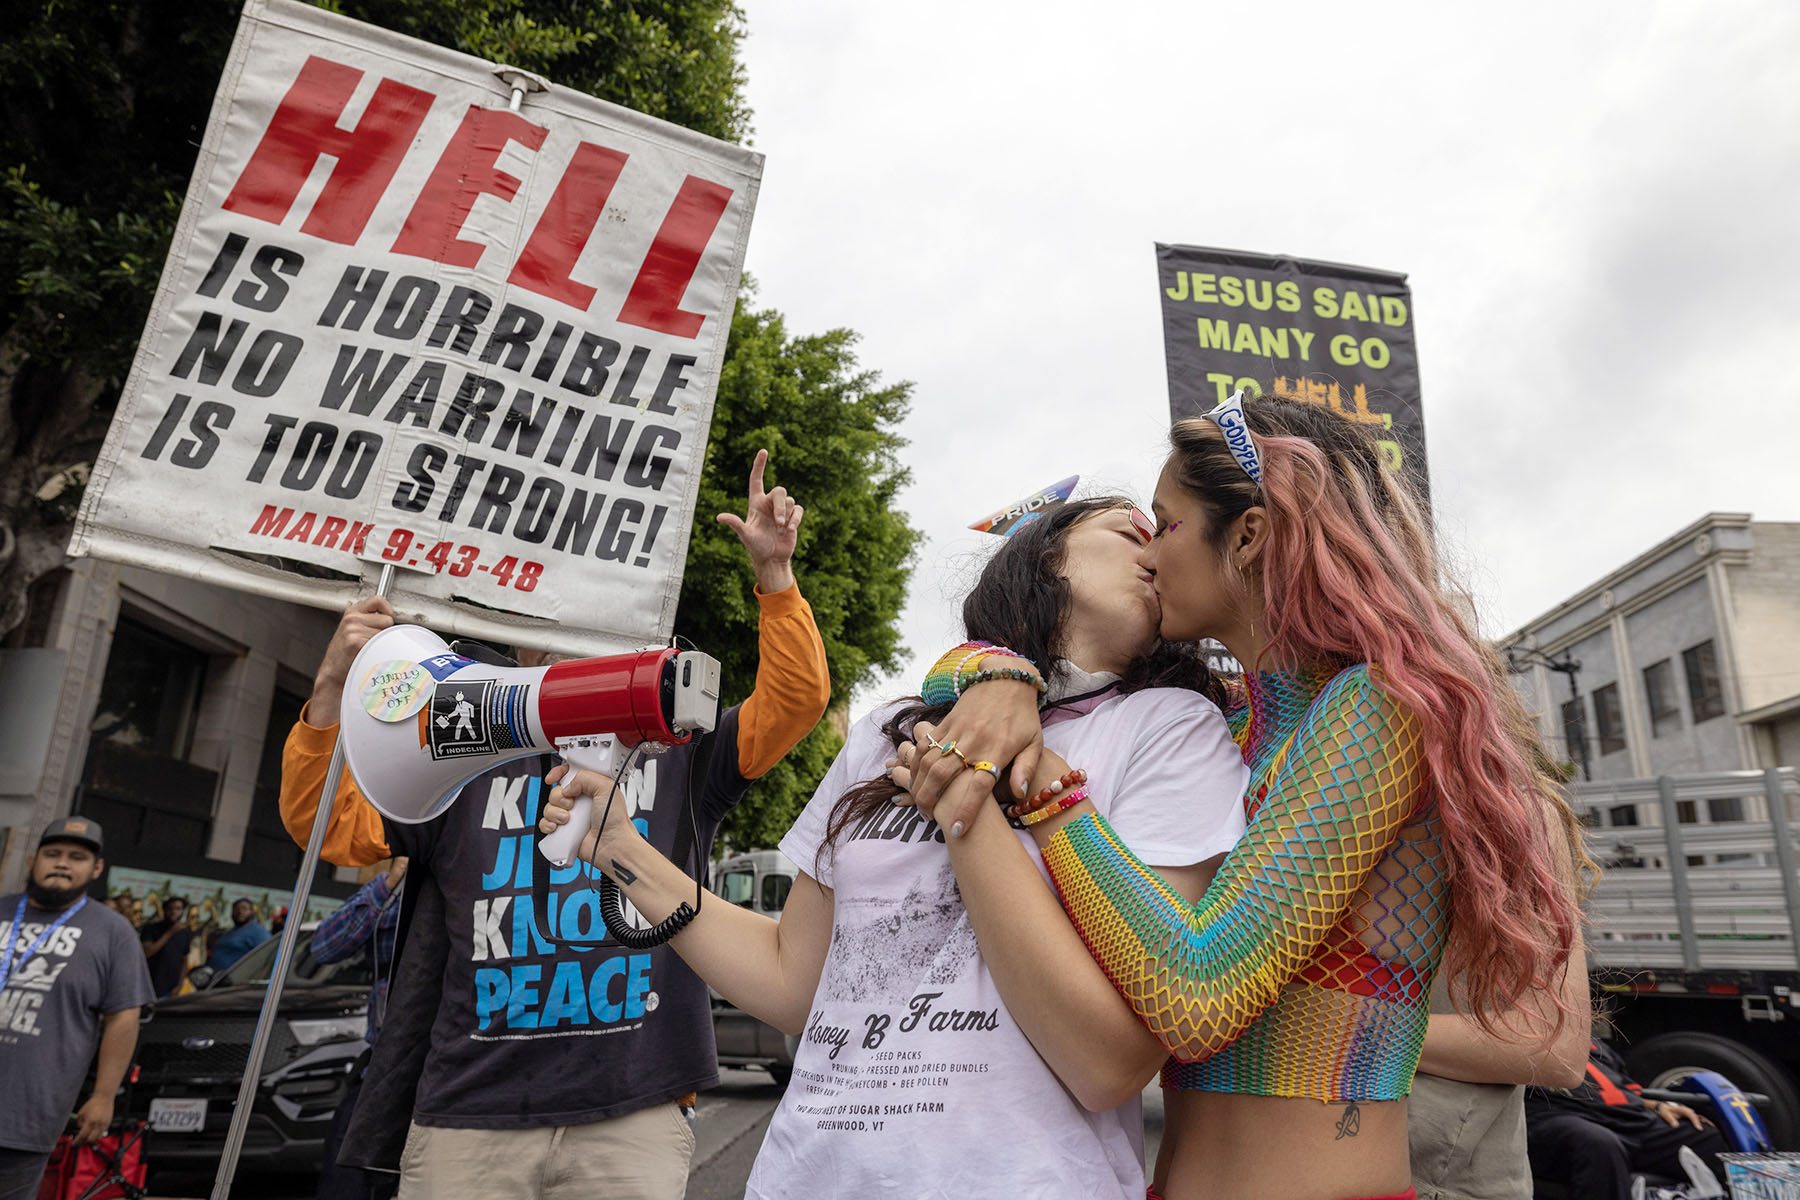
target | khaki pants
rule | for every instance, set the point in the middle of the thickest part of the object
(640, 1156)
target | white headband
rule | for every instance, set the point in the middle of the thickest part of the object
(1229, 417)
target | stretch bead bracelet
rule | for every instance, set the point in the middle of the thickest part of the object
(1073, 779)
(944, 682)
(1066, 800)
(978, 657)
(991, 673)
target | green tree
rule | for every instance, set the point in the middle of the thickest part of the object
(828, 426)
(102, 106)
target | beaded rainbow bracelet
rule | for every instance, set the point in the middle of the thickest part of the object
(945, 681)
(1066, 800)
(1016, 813)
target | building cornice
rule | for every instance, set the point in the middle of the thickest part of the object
(1595, 591)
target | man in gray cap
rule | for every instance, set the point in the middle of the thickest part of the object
(71, 978)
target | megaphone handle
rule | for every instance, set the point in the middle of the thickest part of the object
(562, 846)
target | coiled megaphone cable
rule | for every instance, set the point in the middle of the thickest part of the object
(612, 899)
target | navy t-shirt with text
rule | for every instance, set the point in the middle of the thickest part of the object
(530, 1032)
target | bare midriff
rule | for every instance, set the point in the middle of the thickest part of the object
(1220, 1146)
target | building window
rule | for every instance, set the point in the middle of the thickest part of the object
(1659, 694)
(1574, 727)
(1724, 809)
(1686, 812)
(1622, 814)
(1609, 719)
(154, 804)
(1705, 693)
(150, 694)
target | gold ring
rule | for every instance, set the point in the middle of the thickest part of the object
(949, 748)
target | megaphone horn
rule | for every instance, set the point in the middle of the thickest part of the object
(419, 721)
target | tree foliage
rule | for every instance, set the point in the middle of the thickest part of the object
(828, 427)
(103, 105)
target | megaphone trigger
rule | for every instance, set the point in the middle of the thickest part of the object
(606, 755)
(561, 847)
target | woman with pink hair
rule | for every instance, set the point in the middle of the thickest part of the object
(1392, 784)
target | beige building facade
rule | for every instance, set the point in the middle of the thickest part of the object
(1684, 660)
(158, 706)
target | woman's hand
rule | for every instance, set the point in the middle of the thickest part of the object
(959, 799)
(954, 806)
(597, 845)
(995, 721)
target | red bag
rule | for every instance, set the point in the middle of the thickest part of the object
(113, 1166)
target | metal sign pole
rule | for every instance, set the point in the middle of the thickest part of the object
(290, 934)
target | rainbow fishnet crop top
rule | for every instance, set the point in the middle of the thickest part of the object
(1305, 968)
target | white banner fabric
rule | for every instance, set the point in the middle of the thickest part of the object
(412, 317)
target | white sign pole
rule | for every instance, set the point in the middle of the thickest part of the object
(284, 960)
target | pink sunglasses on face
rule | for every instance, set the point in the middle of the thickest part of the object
(1141, 521)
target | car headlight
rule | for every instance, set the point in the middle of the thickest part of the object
(331, 1029)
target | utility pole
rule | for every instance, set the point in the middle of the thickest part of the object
(1520, 660)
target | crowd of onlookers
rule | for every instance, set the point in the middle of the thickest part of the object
(184, 936)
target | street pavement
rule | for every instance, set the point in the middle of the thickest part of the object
(728, 1131)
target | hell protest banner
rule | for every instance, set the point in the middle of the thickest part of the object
(429, 311)
(1320, 332)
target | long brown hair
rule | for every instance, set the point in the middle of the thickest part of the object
(1021, 601)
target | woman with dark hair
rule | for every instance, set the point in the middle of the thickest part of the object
(1392, 782)
(913, 1078)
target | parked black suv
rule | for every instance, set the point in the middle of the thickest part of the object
(192, 1052)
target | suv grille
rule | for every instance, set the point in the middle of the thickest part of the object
(162, 1056)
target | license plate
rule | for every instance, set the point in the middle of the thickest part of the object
(178, 1116)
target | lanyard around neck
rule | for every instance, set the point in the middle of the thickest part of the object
(7, 963)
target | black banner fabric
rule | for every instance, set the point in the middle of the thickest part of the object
(1324, 333)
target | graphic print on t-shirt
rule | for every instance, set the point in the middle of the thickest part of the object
(926, 938)
(30, 982)
(524, 985)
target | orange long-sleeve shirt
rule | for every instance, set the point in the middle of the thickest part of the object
(791, 693)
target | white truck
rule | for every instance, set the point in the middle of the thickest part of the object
(1694, 929)
(759, 881)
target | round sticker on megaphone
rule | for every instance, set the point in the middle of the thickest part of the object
(396, 689)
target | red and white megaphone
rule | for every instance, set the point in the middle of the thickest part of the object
(419, 720)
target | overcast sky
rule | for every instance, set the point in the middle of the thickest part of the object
(1596, 203)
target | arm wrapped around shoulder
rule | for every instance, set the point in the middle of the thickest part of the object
(1337, 798)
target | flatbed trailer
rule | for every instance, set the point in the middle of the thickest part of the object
(1694, 929)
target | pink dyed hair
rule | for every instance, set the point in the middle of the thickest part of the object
(1350, 573)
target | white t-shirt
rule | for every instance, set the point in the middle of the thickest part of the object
(912, 1079)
